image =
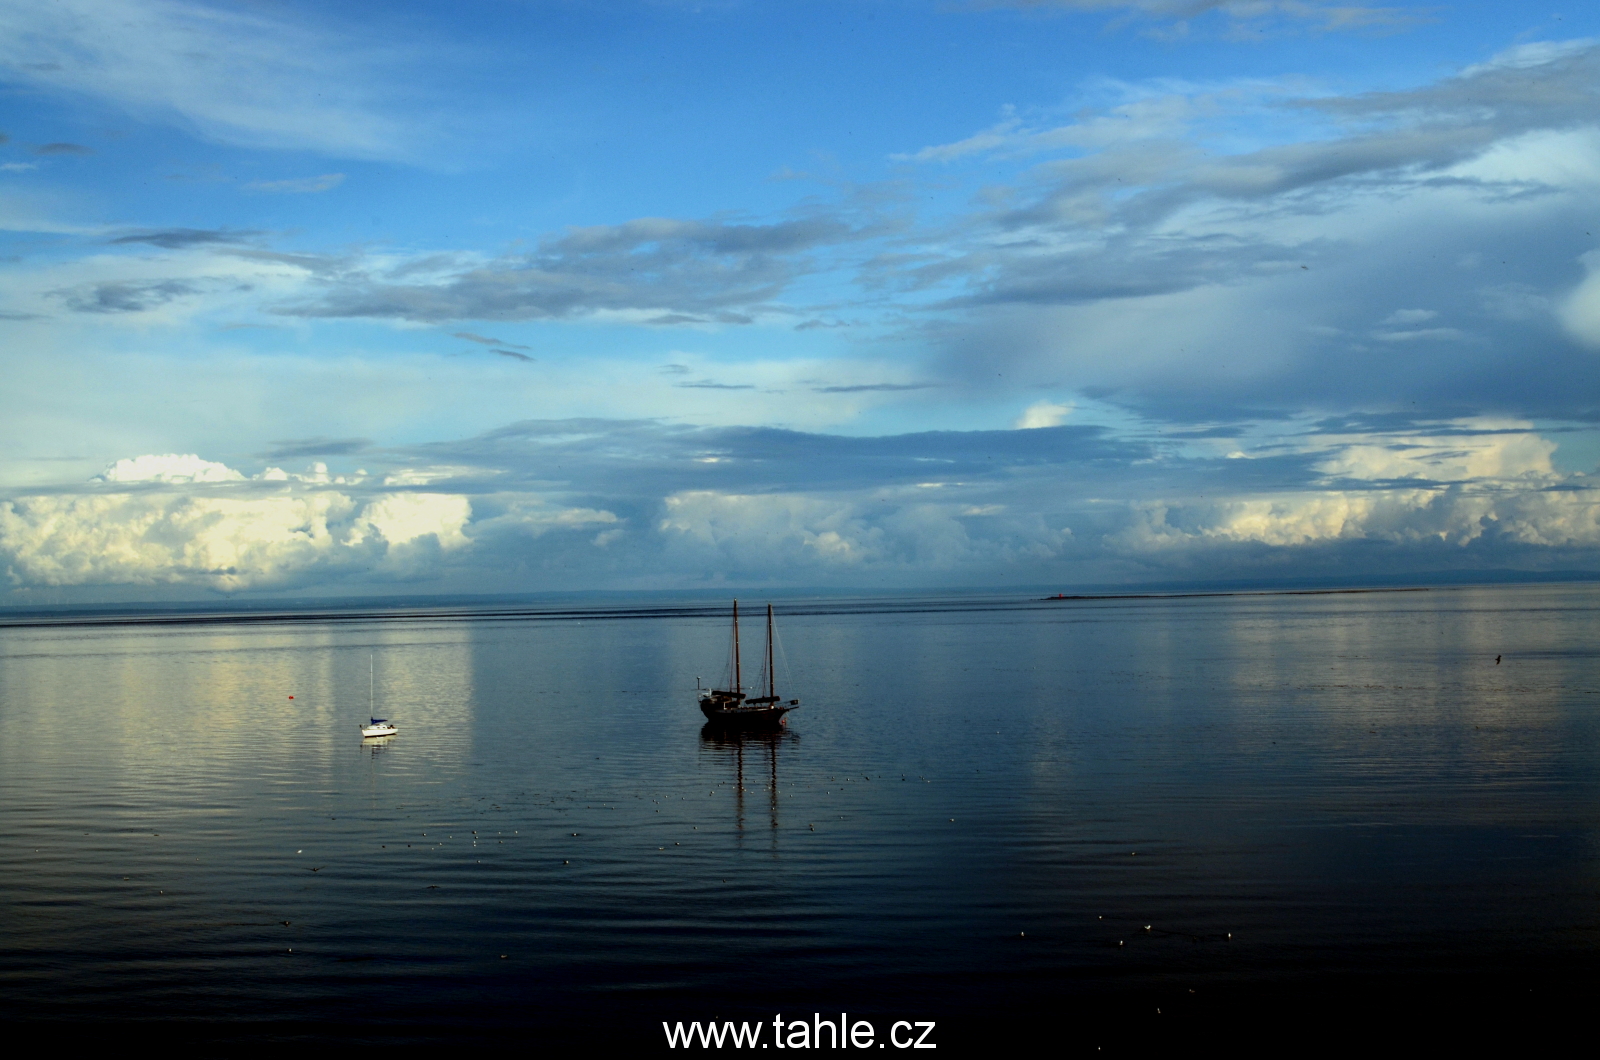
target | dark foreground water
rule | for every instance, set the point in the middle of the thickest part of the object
(1090, 822)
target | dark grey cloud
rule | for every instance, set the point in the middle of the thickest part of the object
(612, 461)
(1121, 267)
(1404, 423)
(127, 297)
(686, 272)
(62, 149)
(707, 384)
(513, 354)
(484, 340)
(860, 388)
(184, 238)
(293, 448)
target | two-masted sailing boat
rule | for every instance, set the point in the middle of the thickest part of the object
(732, 707)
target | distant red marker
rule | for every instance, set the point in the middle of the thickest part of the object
(291, 697)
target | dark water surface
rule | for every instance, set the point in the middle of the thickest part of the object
(1003, 815)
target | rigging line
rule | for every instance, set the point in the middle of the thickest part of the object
(777, 644)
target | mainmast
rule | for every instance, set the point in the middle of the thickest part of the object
(738, 679)
(772, 679)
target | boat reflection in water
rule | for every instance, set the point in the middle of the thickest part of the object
(762, 748)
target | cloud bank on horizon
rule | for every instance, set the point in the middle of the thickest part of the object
(1002, 293)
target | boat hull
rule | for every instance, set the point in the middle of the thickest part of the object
(370, 731)
(763, 716)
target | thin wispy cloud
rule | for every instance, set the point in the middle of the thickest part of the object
(238, 76)
(1176, 19)
(297, 185)
(58, 149)
(701, 271)
(484, 340)
(183, 238)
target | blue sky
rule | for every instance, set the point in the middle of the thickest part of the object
(517, 296)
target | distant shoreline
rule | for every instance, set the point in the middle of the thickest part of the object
(609, 610)
(1238, 592)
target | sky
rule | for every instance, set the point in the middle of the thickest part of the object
(508, 296)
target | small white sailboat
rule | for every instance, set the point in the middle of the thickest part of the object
(378, 727)
(375, 726)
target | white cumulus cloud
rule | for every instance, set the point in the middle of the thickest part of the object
(238, 538)
(169, 467)
(1581, 311)
(1043, 414)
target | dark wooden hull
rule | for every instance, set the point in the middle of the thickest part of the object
(763, 716)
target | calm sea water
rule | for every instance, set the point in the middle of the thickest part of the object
(1096, 820)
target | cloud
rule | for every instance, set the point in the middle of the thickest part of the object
(1456, 518)
(595, 502)
(125, 297)
(297, 448)
(183, 238)
(762, 535)
(484, 340)
(297, 185)
(1580, 312)
(1043, 414)
(696, 272)
(1243, 18)
(1409, 316)
(627, 460)
(513, 354)
(1484, 484)
(1421, 334)
(230, 538)
(62, 149)
(1218, 250)
(169, 467)
(864, 388)
(233, 75)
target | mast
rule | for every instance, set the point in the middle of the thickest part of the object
(772, 677)
(738, 679)
(372, 684)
